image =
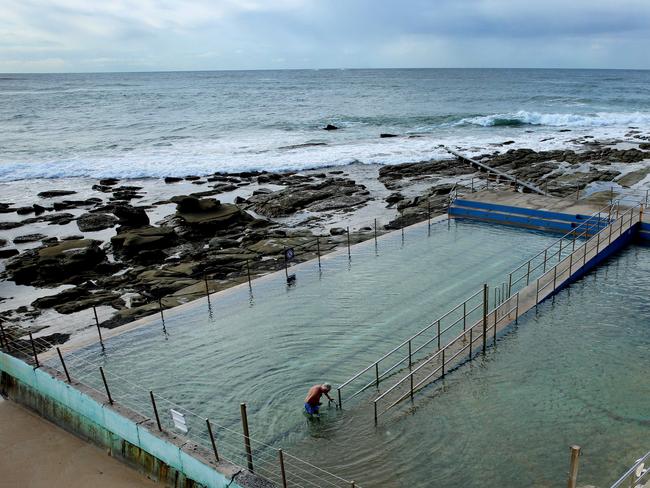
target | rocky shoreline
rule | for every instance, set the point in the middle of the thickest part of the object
(122, 246)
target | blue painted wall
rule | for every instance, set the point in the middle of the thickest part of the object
(77, 411)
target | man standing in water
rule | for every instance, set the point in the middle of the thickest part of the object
(312, 402)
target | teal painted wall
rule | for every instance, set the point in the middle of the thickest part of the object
(77, 411)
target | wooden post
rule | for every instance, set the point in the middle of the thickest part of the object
(247, 438)
(31, 339)
(317, 250)
(573, 467)
(348, 232)
(485, 312)
(212, 441)
(283, 474)
(99, 331)
(65, 369)
(108, 392)
(155, 410)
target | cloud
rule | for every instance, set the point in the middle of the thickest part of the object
(246, 34)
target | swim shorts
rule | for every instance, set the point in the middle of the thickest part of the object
(311, 409)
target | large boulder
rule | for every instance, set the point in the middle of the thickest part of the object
(208, 214)
(130, 216)
(133, 241)
(75, 299)
(64, 262)
(90, 222)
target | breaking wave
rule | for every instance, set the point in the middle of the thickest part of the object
(522, 117)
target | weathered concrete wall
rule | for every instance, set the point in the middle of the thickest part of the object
(126, 435)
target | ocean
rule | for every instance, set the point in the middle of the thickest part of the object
(132, 125)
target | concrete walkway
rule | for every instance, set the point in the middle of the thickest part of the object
(35, 453)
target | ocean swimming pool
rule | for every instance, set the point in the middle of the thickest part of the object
(268, 347)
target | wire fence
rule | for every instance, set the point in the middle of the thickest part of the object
(276, 466)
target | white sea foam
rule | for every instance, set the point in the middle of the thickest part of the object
(600, 119)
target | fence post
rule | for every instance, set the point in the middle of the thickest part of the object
(554, 278)
(509, 285)
(528, 272)
(377, 374)
(282, 472)
(108, 392)
(286, 264)
(162, 316)
(517, 310)
(375, 410)
(429, 213)
(438, 327)
(31, 339)
(5, 339)
(207, 287)
(375, 233)
(155, 410)
(537, 294)
(348, 232)
(247, 438)
(472, 184)
(248, 273)
(573, 467)
(317, 250)
(214, 444)
(410, 356)
(101, 340)
(65, 369)
(411, 381)
(471, 340)
(485, 312)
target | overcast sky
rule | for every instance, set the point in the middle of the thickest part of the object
(144, 35)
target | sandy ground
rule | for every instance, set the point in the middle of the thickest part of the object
(35, 453)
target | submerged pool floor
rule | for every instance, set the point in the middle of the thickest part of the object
(267, 348)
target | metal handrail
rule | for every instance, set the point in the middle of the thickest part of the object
(623, 224)
(638, 472)
(414, 336)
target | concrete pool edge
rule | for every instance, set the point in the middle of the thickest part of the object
(127, 436)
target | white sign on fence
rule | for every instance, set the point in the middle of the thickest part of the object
(179, 420)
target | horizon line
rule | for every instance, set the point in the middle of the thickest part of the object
(307, 69)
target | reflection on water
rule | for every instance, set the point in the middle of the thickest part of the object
(565, 377)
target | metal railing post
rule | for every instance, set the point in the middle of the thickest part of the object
(31, 340)
(348, 233)
(155, 410)
(559, 254)
(247, 437)
(517, 310)
(410, 356)
(537, 294)
(544, 270)
(528, 272)
(464, 315)
(438, 327)
(248, 273)
(99, 331)
(443, 363)
(212, 441)
(318, 250)
(340, 402)
(471, 340)
(108, 392)
(162, 316)
(283, 474)
(485, 312)
(65, 369)
(509, 285)
(375, 232)
(554, 277)
(377, 374)
(375, 409)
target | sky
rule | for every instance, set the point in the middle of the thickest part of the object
(153, 35)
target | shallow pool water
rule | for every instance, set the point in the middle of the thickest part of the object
(566, 376)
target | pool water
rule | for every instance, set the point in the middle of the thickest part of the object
(568, 375)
